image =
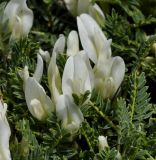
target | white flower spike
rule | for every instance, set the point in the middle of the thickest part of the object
(5, 133)
(20, 18)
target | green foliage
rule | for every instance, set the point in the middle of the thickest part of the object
(139, 98)
(127, 120)
(28, 147)
(108, 154)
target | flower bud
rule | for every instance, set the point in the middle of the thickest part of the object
(102, 143)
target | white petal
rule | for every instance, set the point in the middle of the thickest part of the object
(10, 11)
(33, 90)
(45, 55)
(89, 68)
(5, 133)
(56, 89)
(96, 12)
(54, 78)
(92, 38)
(3, 109)
(58, 48)
(59, 45)
(39, 69)
(61, 109)
(118, 71)
(72, 44)
(103, 68)
(98, 9)
(90, 29)
(109, 88)
(16, 29)
(68, 76)
(83, 6)
(104, 62)
(82, 81)
(69, 113)
(37, 109)
(86, 41)
(76, 77)
(27, 20)
(24, 74)
(91, 25)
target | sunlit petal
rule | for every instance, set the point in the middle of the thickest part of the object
(68, 113)
(5, 133)
(118, 71)
(54, 79)
(86, 40)
(39, 69)
(36, 97)
(72, 44)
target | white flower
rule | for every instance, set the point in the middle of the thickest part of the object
(20, 18)
(5, 133)
(77, 78)
(102, 142)
(108, 71)
(77, 69)
(69, 113)
(77, 75)
(39, 104)
(91, 36)
(77, 7)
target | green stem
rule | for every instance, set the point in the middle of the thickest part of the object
(104, 117)
(119, 140)
(133, 97)
(88, 142)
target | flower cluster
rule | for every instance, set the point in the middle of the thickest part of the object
(105, 76)
(108, 71)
